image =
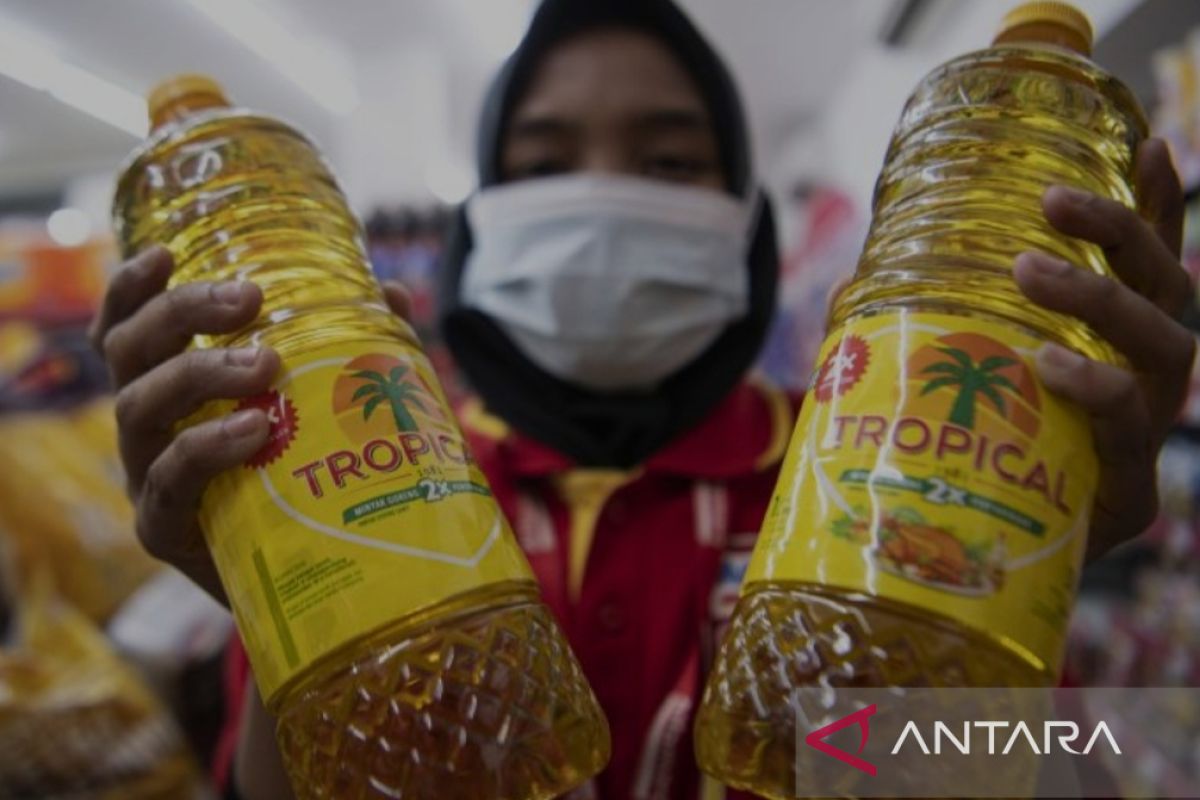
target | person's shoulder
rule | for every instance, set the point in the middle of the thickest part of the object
(780, 403)
(766, 418)
(481, 428)
(743, 437)
(772, 410)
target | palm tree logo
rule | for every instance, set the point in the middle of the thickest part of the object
(399, 393)
(972, 379)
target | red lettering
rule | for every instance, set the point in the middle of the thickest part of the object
(1060, 488)
(981, 452)
(341, 464)
(1004, 450)
(448, 442)
(952, 439)
(870, 428)
(415, 446)
(309, 471)
(911, 423)
(840, 424)
(373, 447)
(1037, 480)
(436, 446)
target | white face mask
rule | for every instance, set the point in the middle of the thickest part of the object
(608, 282)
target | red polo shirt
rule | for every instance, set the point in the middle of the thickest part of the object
(642, 569)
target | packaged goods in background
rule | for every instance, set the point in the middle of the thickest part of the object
(63, 506)
(75, 721)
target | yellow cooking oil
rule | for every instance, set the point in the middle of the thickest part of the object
(393, 625)
(929, 523)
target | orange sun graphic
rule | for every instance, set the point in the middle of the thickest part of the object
(975, 382)
(378, 396)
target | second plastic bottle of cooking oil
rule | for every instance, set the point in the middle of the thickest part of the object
(931, 515)
(392, 623)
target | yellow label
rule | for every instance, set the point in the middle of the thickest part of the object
(363, 507)
(931, 467)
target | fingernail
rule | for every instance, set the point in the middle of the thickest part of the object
(243, 356)
(150, 258)
(229, 293)
(1058, 357)
(242, 424)
(1047, 265)
(1156, 145)
(1071, 194)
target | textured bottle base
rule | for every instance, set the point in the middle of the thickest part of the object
(785, 636)
(489, 704)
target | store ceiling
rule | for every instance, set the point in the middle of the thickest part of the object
(787, 56)
(410, 59)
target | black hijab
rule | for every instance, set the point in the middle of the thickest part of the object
(593, 428)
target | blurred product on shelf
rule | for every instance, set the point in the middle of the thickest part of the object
(1189, 417)
(47, 296)
(176, 635)
(1191, 235)
(47, 282)
(827, 237)
(75, 721)
(63, 506)
(62, 498)
(1177, 117)
(46, 367)
(1137, 623)
(84, 712)
(169, 623)
(405, 244)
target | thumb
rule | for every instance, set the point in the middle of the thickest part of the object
(399, 299)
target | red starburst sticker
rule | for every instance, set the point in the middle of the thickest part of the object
(285, 422)
(842, 368)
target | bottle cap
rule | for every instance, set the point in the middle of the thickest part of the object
(177, 95)
(1053, 23)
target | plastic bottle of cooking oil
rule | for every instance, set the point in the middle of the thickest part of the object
(930, 518)
(393, 624)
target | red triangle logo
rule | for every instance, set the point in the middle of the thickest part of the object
(861, 718)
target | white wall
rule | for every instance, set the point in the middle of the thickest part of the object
(412, 139)
(379, 149)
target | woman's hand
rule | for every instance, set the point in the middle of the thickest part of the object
(1131, 410)
(143, 331)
